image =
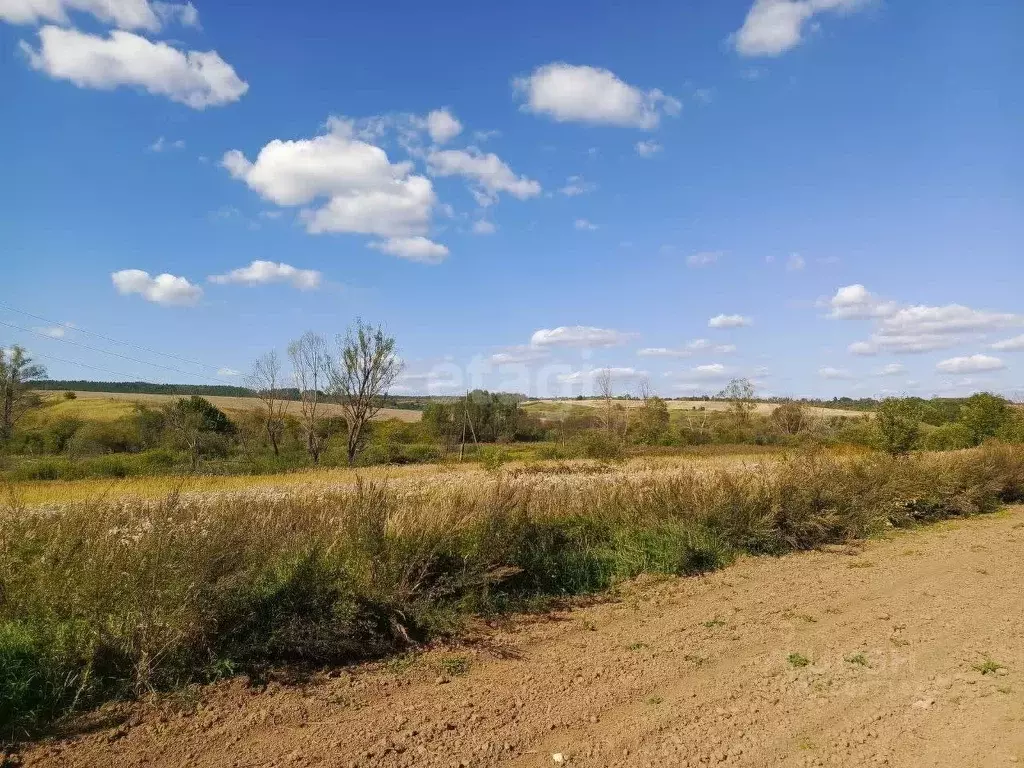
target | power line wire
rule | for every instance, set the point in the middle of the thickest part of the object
(139, 347)
(47, 356)
(109, 352)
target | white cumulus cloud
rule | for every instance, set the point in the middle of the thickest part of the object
(915, 328)
(488, 172)
(164, 289)
(364, 191)
(578, 336)
(584, 225)
(970, 364)
(1008, 345)
(443, 126)
(484, 227)
(195, 78)
(263, 272)
(568, 92)
(729, 321)
(773, 27)
(852, 301)
(125, 14)
(417, 248)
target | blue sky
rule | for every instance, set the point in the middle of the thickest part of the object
(822, 195)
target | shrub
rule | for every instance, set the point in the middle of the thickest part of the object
(596, 444)
(898, 424)
(69, 395)
(948, 437)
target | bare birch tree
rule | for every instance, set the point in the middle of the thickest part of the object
(603, 385)
(366, 368)
(267, 382)
(311, 369)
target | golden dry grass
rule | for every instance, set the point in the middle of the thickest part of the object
(554, 406)
(317, 481)
(108, 406)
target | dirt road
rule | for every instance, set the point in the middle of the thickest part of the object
(907, 652)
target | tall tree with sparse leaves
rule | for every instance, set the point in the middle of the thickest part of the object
(366, 368)
(17, 371)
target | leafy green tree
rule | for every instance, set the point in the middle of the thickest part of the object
(740, 394)
(198, 425)
(17, 371)
(984, 414)
(368, 365)
(898, 425)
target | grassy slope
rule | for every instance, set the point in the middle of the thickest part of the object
(108, 406)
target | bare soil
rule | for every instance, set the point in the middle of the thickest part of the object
(907, 651)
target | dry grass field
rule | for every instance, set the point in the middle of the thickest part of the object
(552, 408)
(107, 406)
(323, 480)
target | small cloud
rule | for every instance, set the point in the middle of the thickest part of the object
(855, 301)
(228, 372)
(729, 321)
(484, 227)
(442, 126)
(1008, 345)
(970, 364)
(416, 248)
(523, 353)
(584, 224)
(578, 336)
(703, 259)
(167, 290)
(647, 148)
(264, 272)
(568, 92)
(828, 372)
(577, 185)
(795, 262)
(892, 369)
(55, 331)
(163, 145)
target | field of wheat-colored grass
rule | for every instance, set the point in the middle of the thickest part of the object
(558, 408)
(108, 406)
(319, 480)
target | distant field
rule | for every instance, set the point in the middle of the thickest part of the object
(552, 408)
(107, 406)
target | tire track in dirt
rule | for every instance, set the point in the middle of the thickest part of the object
(914, 651)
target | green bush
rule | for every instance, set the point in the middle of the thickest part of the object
(948, 437)
(596, 444)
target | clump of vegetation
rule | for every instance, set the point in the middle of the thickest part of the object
(988, 667)
(798, 660)
(209, 586)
